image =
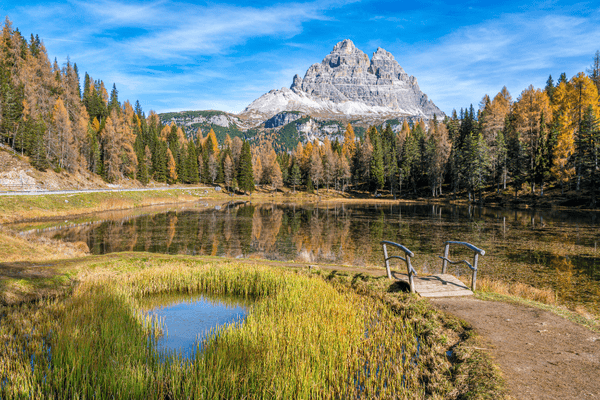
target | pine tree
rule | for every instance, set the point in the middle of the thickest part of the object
(541, 169)
(501, 160)
(245, 176)
(159, 161)
(517, 156)
(594, 70)
(562, 79)
(476, 162)
(550, 87)
(590, 136)
(192, 164)
(390, 163)
(142, 173)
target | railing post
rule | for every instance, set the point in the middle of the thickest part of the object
(474, 280)
(410, 273)
(445, 259)
(387, 262)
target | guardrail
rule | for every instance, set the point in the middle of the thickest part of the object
(407, 255)
(476, 253)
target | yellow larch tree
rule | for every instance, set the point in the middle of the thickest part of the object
(61, 144)
(171, 167)
(349, 146)
(562, 169)
(528, 110)
(211, 140)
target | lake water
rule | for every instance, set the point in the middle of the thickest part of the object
(547, 249)
(187, 320)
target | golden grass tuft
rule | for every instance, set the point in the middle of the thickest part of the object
(522, 290)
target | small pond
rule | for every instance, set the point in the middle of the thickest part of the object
(188, 320)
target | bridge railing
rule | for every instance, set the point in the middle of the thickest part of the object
(407, 255)
(476, 253)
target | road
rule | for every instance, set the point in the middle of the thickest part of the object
(43, 192)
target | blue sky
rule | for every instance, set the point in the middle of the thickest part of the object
(222, 55)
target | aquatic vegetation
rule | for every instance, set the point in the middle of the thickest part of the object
(306, 336)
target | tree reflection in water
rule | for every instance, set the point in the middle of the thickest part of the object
(541, 248)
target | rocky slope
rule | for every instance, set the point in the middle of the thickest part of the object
(346, 84)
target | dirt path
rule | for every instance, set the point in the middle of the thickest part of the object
(541, 355)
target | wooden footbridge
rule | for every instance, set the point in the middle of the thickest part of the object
(436, 285)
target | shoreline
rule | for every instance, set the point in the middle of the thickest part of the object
(22, 207)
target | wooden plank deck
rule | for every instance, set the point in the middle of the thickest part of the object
(437, 285)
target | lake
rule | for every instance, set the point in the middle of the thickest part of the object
(543, 248)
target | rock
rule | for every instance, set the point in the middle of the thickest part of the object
(346, 82)
(296, 84)
(281, 119)
(220, 120)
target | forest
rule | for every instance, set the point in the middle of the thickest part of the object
(548, 136)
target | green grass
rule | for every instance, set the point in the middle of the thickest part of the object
(307, 335)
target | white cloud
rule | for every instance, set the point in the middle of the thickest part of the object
(515, 50)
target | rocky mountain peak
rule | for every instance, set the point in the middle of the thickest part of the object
(345, 45)
(296, 84)
(347, 82)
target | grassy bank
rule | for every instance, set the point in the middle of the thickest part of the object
(18, 208)
(308, 335)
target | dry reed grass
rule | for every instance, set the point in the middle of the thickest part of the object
(304, 338)
(522, 290)
(16, 248)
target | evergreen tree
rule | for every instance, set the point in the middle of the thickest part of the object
(476, 161)
(517, 156)
(245, 176)
(594, 70)
(159, 162)
(550, 87)
(501, 160)
(562, 79)
(142, 173)
(410, 160)
(590, 136)
(192, 164)
(390, 160)
(541, 171)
